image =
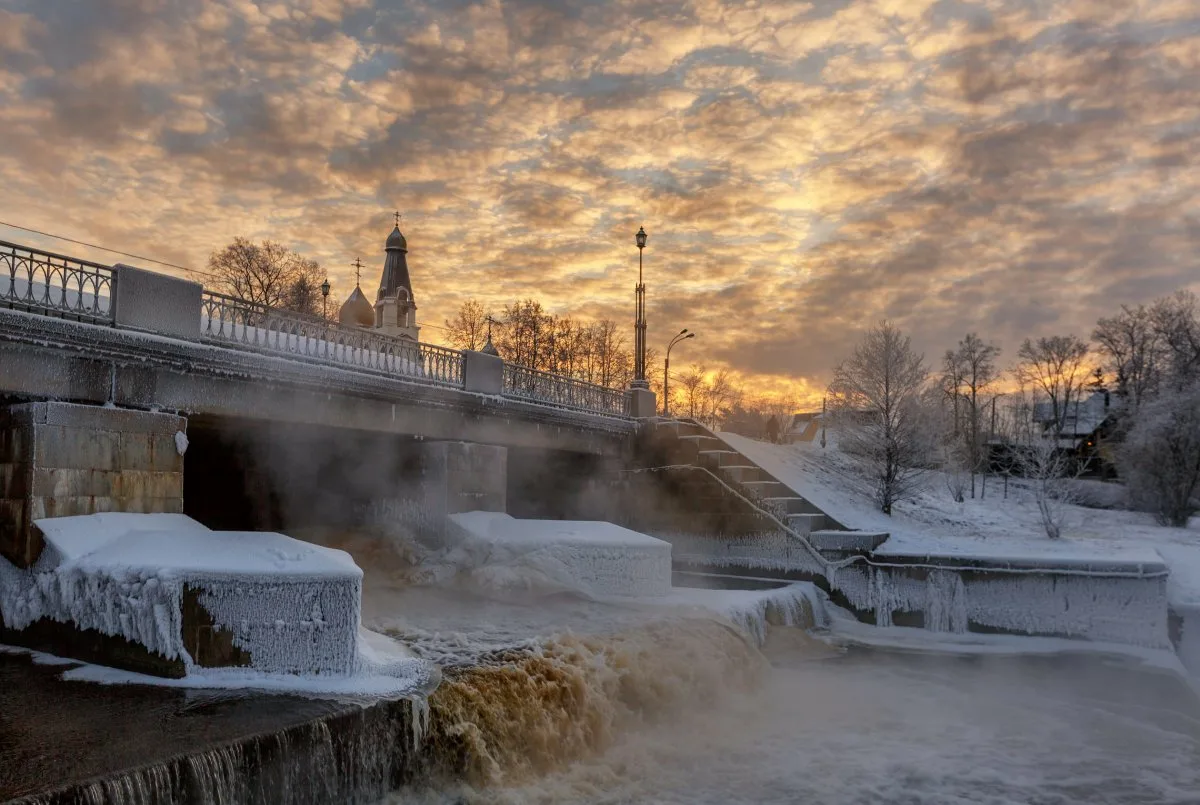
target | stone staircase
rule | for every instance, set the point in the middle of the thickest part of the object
(687, 443)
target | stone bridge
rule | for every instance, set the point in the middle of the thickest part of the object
(101, 365)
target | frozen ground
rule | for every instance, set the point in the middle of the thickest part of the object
(994, 526)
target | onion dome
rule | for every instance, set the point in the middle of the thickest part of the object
(357, 311)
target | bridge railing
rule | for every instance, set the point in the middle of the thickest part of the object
(563, 392)
(230, 321)
(55, 284)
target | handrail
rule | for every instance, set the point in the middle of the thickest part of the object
(563, 392)
(228, 320)
(32, 280)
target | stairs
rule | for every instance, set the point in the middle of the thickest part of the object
(684, 443)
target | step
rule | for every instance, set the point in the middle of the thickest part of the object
(790, 504)
(714, 459)
(703, 441)
(831, 540)
(741, 474)
(806, 523)
(765, 489)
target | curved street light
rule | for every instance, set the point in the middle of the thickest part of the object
(684, 335)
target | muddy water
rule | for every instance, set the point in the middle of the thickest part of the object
(560, 700)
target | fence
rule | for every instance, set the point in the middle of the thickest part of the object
(231, 321)
(563, 392)
(55, 285)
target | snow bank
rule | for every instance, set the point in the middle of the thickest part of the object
(595, 558)
(294, 607)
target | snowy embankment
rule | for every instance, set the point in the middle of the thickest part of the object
(991, 525)
(292, 607)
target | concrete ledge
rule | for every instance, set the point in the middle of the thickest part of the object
(828, 540)
(483, 373)
(146, 300)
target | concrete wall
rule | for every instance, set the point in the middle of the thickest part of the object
(59, 459)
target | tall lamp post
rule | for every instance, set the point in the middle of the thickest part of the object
(325, 300)
(639, 360)
(684, 335)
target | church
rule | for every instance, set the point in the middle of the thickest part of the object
(395, 308)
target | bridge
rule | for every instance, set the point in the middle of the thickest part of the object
(101, 365)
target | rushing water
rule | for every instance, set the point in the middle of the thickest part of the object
(561, 700)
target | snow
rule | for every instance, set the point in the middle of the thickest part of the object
(181, 442)
(595, 558)
(933, 524)
(294, 606)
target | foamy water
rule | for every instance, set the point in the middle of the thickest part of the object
(562, 700)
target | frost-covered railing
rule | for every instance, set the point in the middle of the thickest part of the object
(564, 392)
(55, 284)
(228, 320)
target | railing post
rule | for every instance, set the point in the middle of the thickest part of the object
(483, 373)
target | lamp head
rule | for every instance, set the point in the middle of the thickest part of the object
(640, 237)
(325, 287)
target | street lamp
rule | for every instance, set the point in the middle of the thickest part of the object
(639, 358)
(325, 299)
(684, 335)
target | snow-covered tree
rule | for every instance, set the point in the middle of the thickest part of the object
(1052, 475)
(1160, 459)
(1134, 351)
(875, 397)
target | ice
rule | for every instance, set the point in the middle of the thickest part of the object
(293, 606)
(595, 558)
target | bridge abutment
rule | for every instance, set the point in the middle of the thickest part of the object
(60, 459)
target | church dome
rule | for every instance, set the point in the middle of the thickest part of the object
(357, 311)
(396, 240)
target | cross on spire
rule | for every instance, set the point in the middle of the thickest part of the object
(357, 271)
(397, 214)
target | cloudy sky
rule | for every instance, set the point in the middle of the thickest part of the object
(803, 168)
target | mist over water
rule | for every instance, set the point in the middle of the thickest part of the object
(552, 698)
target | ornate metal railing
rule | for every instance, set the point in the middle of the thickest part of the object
(55, 284)
(563, 392)
(228, 321)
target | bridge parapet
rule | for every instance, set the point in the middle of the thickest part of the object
(128, 298)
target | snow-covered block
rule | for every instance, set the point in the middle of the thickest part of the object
(593, 557)
(289, 606)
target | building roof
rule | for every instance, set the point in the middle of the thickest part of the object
(1081, 417)
(357, 310)
(395, 270)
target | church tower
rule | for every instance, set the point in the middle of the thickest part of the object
(395, 307)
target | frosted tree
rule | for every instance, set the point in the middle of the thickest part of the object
(1054, 367)
(1051, 474)
(1160, 459)
(875, 397)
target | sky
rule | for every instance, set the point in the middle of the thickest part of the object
(803, 169)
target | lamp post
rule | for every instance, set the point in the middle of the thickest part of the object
(325, 299)
(639, 359)
(684, 335)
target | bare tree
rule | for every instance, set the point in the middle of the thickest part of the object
(875, 395)
(1160, 458)
(268, 274)
(691, 384)
(718, 396)
(1177, 320)
(1054, 366)
(968, 372)
(1134, 353)
(469, 327)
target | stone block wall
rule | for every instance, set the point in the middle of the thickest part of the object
(60, 459)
